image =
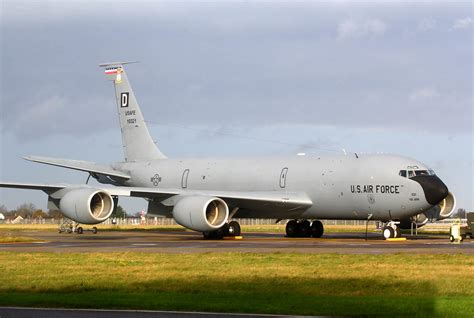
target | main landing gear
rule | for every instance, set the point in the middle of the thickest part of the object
(304, 228)
(230, 229)
(391, 230)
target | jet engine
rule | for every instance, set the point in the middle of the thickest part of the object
(86, 205)
(441, 211)
(201, 213)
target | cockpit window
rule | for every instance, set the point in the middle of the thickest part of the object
(413, 173)
(421, 173)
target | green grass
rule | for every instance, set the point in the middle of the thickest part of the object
(315, 284)
(17, 239)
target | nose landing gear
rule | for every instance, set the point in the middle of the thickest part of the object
(391, 230)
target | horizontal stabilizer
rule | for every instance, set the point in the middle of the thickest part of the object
(87, 166)
(116, 63)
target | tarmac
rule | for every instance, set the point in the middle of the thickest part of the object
(156, 241)
(15, 312)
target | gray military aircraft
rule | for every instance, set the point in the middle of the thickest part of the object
(208, 194)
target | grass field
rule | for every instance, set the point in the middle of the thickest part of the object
(315, 284)
(17, 239)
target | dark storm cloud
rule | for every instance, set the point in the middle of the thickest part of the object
(238, 64)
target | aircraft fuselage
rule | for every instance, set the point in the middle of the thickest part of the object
(341, 186)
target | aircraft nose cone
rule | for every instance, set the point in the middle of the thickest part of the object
(435, 190)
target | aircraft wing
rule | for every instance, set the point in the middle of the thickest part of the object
(87, 166)
(251, 200)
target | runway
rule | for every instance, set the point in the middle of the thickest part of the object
(15, 312)
(156, 241)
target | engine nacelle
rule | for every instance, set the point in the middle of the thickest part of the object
(201, 213)
(87, 206)
(441, 211)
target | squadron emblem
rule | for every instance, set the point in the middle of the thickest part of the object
(156, 179)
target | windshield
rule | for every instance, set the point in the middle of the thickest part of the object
(410, 173)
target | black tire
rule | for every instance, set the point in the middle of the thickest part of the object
(234, 228)
(463, 237)
(398, 232)
(304, 228)
(451, 238)
(94, 230)
(207, 235)
(317, 229)
(79, 230)
(291, 228)
(224, 230)
(388, 232)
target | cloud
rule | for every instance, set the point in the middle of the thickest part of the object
(60, 115)
(463, 23)
(353, 29)
(423, 94)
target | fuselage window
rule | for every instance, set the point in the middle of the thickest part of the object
(411, 173)
(403, 173)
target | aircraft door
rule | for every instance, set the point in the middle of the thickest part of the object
(283, 174)
(184, 179)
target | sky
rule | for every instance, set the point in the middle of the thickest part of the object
(237, 78)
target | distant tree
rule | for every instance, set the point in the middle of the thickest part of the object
(55, 214)
(460, 213)
(25, 210)
(39, 214)
(119, 213)
(3, 209)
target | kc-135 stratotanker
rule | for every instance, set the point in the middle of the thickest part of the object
(209, 194)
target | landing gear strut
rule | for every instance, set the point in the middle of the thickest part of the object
(304, 228)
(391, 230)
(230, 229)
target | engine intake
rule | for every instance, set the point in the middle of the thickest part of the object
(441, 211)
(201, 213)
(87, 206)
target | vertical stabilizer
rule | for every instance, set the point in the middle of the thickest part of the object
(136, 139)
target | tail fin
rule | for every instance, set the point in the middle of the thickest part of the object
(136, 139)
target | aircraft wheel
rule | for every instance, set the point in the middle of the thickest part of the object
(234, 228)
(94, 230)
(388, 232)
(451, 238)
(317, 229)
(304, 228)
(79, 230)
(398, 232)
(206, 235)
(291, 228)
(462, 237)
